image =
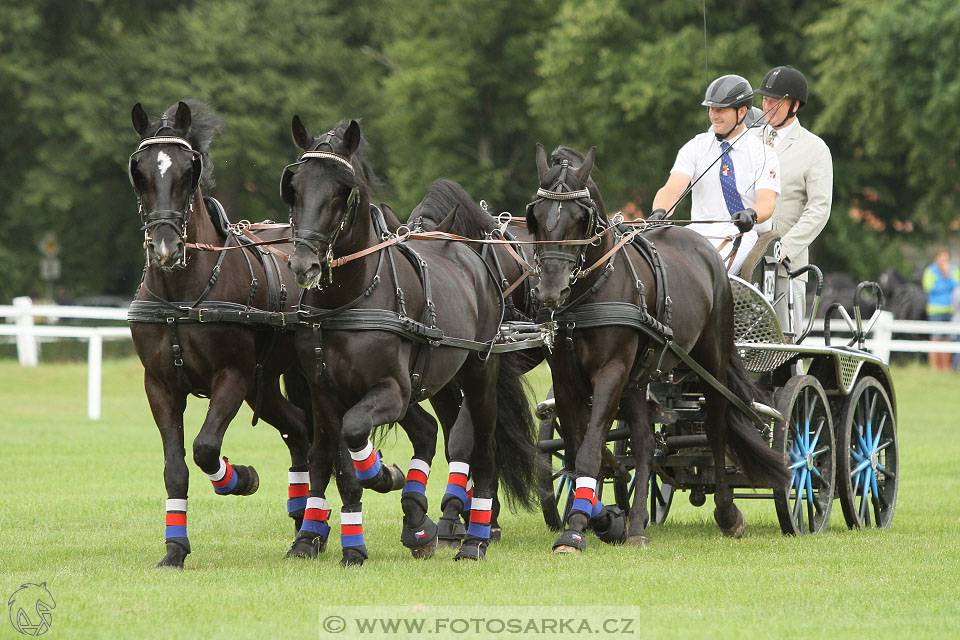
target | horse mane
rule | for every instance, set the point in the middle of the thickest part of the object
(471, 220)
(575, 158)
(205, 124)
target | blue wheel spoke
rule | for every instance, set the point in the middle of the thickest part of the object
(816, 436)
(876, 440)
(860, 467)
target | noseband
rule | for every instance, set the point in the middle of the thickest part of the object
(314, 240)
(173, 217)
(558, 193)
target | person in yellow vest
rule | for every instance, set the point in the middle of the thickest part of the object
(939, 281)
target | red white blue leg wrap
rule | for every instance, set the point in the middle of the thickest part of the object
(366, 463)
(585, 497)
(316, 516)
(298, 490)
(351, 528)
(224, 479)
(457, 482)
(417, 476)
(176, 518)
(480, 517)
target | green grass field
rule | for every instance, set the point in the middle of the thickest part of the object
(82, 508)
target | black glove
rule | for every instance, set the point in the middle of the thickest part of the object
(745, 219)
(658, 214)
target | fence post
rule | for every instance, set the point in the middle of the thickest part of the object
(94, 375)
(883, 335)
(26, 341)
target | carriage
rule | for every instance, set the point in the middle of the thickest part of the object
(833, 418)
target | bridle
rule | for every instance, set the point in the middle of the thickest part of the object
(175, 218)
(314, 240)
(559, 193)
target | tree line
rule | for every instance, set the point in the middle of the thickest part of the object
(461, 89)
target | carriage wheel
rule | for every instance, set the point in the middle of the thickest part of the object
(869, 467)
(554, 486)
(661, 494)
(806, 440)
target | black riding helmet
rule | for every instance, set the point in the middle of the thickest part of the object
(785, 82)
(729, 91)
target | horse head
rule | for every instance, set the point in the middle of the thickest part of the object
(324, 190)
(563, 211)
(165, 172)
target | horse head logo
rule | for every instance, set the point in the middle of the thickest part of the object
(30, 609)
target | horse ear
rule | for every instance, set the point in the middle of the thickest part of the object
(301, 137)
(542, 167)
(140, 119)
(183, 119)
(584, 171)
(447, 223)
(351, 138)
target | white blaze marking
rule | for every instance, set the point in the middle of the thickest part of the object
(163, 163)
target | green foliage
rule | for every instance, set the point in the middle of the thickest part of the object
(460, 89)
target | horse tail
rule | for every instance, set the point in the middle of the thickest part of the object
(515, 448)
(763, 466)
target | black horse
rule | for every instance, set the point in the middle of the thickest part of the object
(379, 336)
(182, 353)
(604, 366)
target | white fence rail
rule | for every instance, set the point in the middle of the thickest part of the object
(22, 314)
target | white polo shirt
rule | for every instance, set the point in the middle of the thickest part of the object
(755, 167)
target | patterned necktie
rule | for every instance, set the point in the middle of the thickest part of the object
(771, 137)
(728, 181)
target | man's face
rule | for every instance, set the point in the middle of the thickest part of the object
(724, 119)
(776, 110)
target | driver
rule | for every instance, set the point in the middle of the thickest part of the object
(735, 176)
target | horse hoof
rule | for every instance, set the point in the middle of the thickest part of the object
(637, 541)
(248, 481)
(450, 533)
(616, 529)
(426, 552)
(174, 556)
(353, 556)
(563, 548)
(495, 533)
(307, 546)
(570, 541)
(473, 548)
(737, 529)
(397, 476)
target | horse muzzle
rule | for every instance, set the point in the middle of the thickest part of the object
(306, 268)
(165, 253)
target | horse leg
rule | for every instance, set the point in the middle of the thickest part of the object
(290, 421)
(633, 405)
(167, 407)
(728, 516)
(226, 394)
(382, 404)
(472, 439)
(326, 450)
(609, 523)
(456, 497)
(419, 533)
